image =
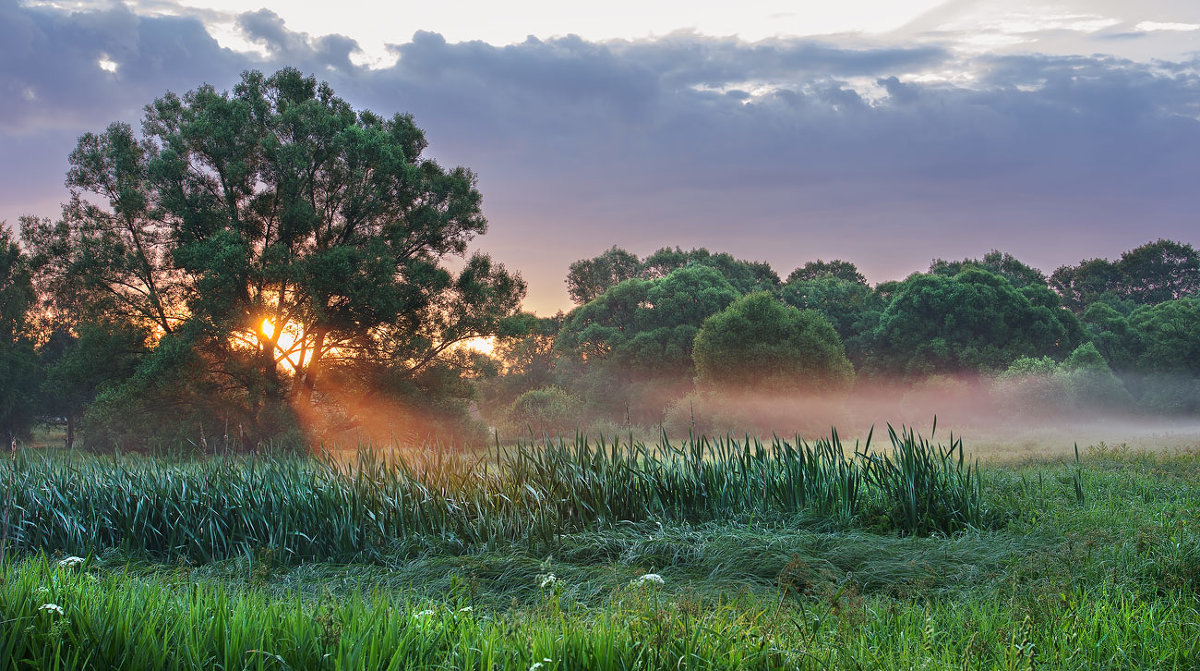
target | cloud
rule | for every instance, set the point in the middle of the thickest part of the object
(61, 68)
(1151, 26)
(784, 148)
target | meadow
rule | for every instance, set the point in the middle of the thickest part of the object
(727, 553)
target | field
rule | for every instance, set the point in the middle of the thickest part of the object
(705, 554)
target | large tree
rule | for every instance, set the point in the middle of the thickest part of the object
(588, 278)
(1157, 271)
(853, 308)
(815, 270)
(646, 327)
(629, 351)
(999, 263)
(18, 363)
(273, 233)
(973, 321)
(745, 276)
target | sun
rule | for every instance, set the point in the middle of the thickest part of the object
(483, 345)
(287, 344)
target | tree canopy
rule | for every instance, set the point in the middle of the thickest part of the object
(587, 279)
(999, 263)
(270, 234)
(814, 270)
(647, 326)
(973, 321)
(1157, 271)
(758, 343)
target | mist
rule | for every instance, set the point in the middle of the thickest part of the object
(999, 419)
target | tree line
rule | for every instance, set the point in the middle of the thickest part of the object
(648, 333)
(266, 264)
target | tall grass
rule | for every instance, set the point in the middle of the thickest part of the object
(119, 621)
(308, 508)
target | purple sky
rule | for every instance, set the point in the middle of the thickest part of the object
(944, 137)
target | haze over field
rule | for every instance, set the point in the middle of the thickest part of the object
(1055, 131)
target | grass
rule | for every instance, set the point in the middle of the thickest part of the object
(1108, 580)
(305, 509)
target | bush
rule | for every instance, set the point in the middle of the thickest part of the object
(549, 410)
(759, 343)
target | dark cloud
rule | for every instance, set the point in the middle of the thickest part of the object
(782, 150)
(49, 63)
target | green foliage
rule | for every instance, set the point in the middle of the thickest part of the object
(756, 413)
(924, 487)
(1030, 387)
(852, 308)
(1170, 336)
(322, 510)
(642, 329)
(19, 371)
(1028, 366)
(588, 278)
(524, 357)
(1109, 582)
(1084, 284)
(1167, 363)
(996, 262)
(1090, 383)
(1112, 335)
(19, 381)
(546, 411)
(973, 321)
(745, 276)
(79, 367)
(1157, 271)
(1082, 383)
(760, 343)
(814, 270)
(169, 402)
(276, 201)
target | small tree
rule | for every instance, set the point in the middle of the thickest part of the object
(758, 343)
(549, 410)
(1090, 383)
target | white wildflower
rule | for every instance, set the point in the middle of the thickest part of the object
(548, 580)
(51, 608)
(423, 613)
(70, 562)
(465, 609)
(648, 579)
(538, 665)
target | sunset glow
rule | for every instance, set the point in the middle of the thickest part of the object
(288, 345)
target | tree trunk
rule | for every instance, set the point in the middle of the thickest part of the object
(309, 381)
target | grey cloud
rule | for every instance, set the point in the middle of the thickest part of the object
(49, 76)
(776, 146)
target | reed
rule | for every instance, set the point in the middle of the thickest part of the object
(317, 508)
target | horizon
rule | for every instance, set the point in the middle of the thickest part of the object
(937, 130)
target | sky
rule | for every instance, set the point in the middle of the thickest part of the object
(883, 132)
